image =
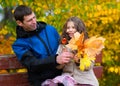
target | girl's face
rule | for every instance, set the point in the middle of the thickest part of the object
(71, 29)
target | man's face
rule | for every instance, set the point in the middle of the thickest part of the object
(29, 23)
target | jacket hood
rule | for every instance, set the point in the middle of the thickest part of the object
(21, 33)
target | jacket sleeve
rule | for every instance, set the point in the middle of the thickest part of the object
(34, 64)
(26, 57)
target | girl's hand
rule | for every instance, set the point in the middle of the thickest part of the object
(76, 59)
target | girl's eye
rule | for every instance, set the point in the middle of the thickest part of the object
(73, 27)
(68, 27)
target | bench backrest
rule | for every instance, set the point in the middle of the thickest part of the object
(10, 62)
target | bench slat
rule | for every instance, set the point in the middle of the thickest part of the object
(99, 58)
(9, 62)
(98, 70)
(15, 79)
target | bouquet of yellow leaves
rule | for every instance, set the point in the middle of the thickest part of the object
(86, 49)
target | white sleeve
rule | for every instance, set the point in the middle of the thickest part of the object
(59, 50)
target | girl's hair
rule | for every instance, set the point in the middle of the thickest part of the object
(79, 25)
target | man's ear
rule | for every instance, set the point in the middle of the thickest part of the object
(19, 22)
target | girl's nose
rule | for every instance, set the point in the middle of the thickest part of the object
(70, 29)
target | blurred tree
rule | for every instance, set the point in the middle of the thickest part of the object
(102, 18)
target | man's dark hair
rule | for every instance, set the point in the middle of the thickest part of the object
(22, 11)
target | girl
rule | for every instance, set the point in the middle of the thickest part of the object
(72, 75)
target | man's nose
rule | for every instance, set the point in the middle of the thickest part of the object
(33, 20)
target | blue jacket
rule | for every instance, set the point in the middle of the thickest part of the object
(37, 51)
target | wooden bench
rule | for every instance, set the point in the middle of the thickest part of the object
(10, 62)
(98, 68)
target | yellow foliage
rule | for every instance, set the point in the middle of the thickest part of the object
(98, 7)
(111, 69)
(13, 11)
(101, 18)
(4, 31)
(43, 19)
(21, 70)
(20, 2)
(57, 11)
(45, 7)
(114, 69)
(3, 71)
(86, 7)
(5, 45)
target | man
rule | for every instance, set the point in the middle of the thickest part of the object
(36, 45)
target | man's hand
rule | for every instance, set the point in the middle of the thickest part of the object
(64, 57)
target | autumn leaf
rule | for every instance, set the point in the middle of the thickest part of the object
(64, 41)
(93, 46)
(86, 50)
(76, 42)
